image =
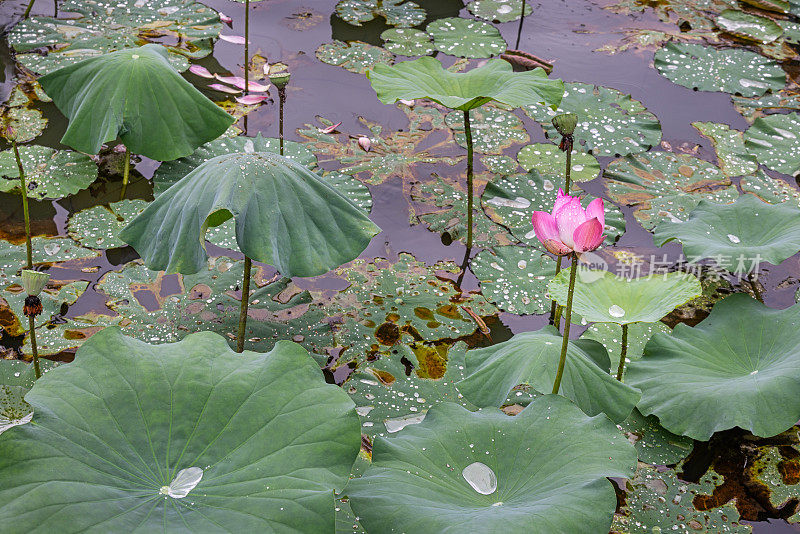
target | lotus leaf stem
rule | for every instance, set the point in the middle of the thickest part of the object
(281, 102)
(28, 9)
(567, 321)
(29, 250)
(468, 133)
(126, 172)
(245, 302)
(521, 19)
(623, 352)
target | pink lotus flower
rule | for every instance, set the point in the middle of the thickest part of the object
(201, 71)
(570, 228)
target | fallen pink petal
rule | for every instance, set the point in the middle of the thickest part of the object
(225, 18)
(364, 143)
(330, 128)
(249, 100)
(224, 88)
(235, 39)
(201, 71)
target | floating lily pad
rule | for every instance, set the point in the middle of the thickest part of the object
(171, 172)
(532, 358)
(515, 278)
(752, 108)
(751, 378)
(698, 14)
(500, 164)
(19, 115)
(466, 38)
(393, 152)
(653, 443)
(493, 129)
(768, 189)
(733, 70)
(748, 228)
(443, 207)
(728, 143)
(778, 6)
(185, 27)
(662, 186)
(16, 379)
(477, 471)
(791, 31)
(49, 173)
(407, 42)
(403, 302)
(511, 201)
(775, 142)
(748, 26)
(354, 56)
(776, 467)
(601, 296)
(251, 441)
(46, 251)
(656, 498)
(158, 308)
(498, 10)
(609, 122)
(400, 13)
(610, 336)
(97, 227)
(547, 159)
(388, 398)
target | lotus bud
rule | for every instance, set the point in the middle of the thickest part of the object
(33, 282)
(364, 143)
(225, 18)
(9, 133)
(565, 123)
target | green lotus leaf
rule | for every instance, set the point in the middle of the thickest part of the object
(791, 31)
(775, 142)
(16, 379)
(733, 70)
(122, 95)
(462, 471)
(442, 205)
(398, 13)
(662, 186)
(547, 159)
(601, 296)
(493, 129)
(748, 26)
(103, 26)
(286, 216)
(184, 437)
(774, 466)
(46, 250)
(532, 358)
(354, 56)
(511, 201)
(743, 360)
(407, 42)
(498, 10)
(748, 228)
(654, 444)
(388, 399)
(610, 336)
(49, 173)
(19, 114)
(657, 499)
(163, 309)
(97, 227)
(515, 278)
(729, 145)
(171, 172)
(499, 164)
(466, 38)
(778, 6)
(426, 78)
(769, 189)
(609, 122)
(755, 107)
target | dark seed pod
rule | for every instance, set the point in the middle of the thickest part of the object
(32, 307)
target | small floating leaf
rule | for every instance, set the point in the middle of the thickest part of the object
(466, 38)
(775, 142)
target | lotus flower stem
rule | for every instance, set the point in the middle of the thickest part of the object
(521, 18)
(567, 321)
(25, 16)
(29, 249)
(245, 303)
(555, 309)
(281, 102)
(754, 284)
(126, 173)
(623, 352)
(468, 134)
(246, 47)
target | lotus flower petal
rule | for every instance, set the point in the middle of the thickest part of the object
(235, 39)
(568, 219)
(201, 71)
(224, 88)
(556, 247)
(544, 225)
(364, 143)
(595, 209)
(233, 80)
(561, 201)
(588, 236)
(225, 18)
(249, 100)
(408, 103)
(330, 128)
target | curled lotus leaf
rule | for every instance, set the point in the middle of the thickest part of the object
(248, 440)
(734, 70)
(750, 378)
(463, 471)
